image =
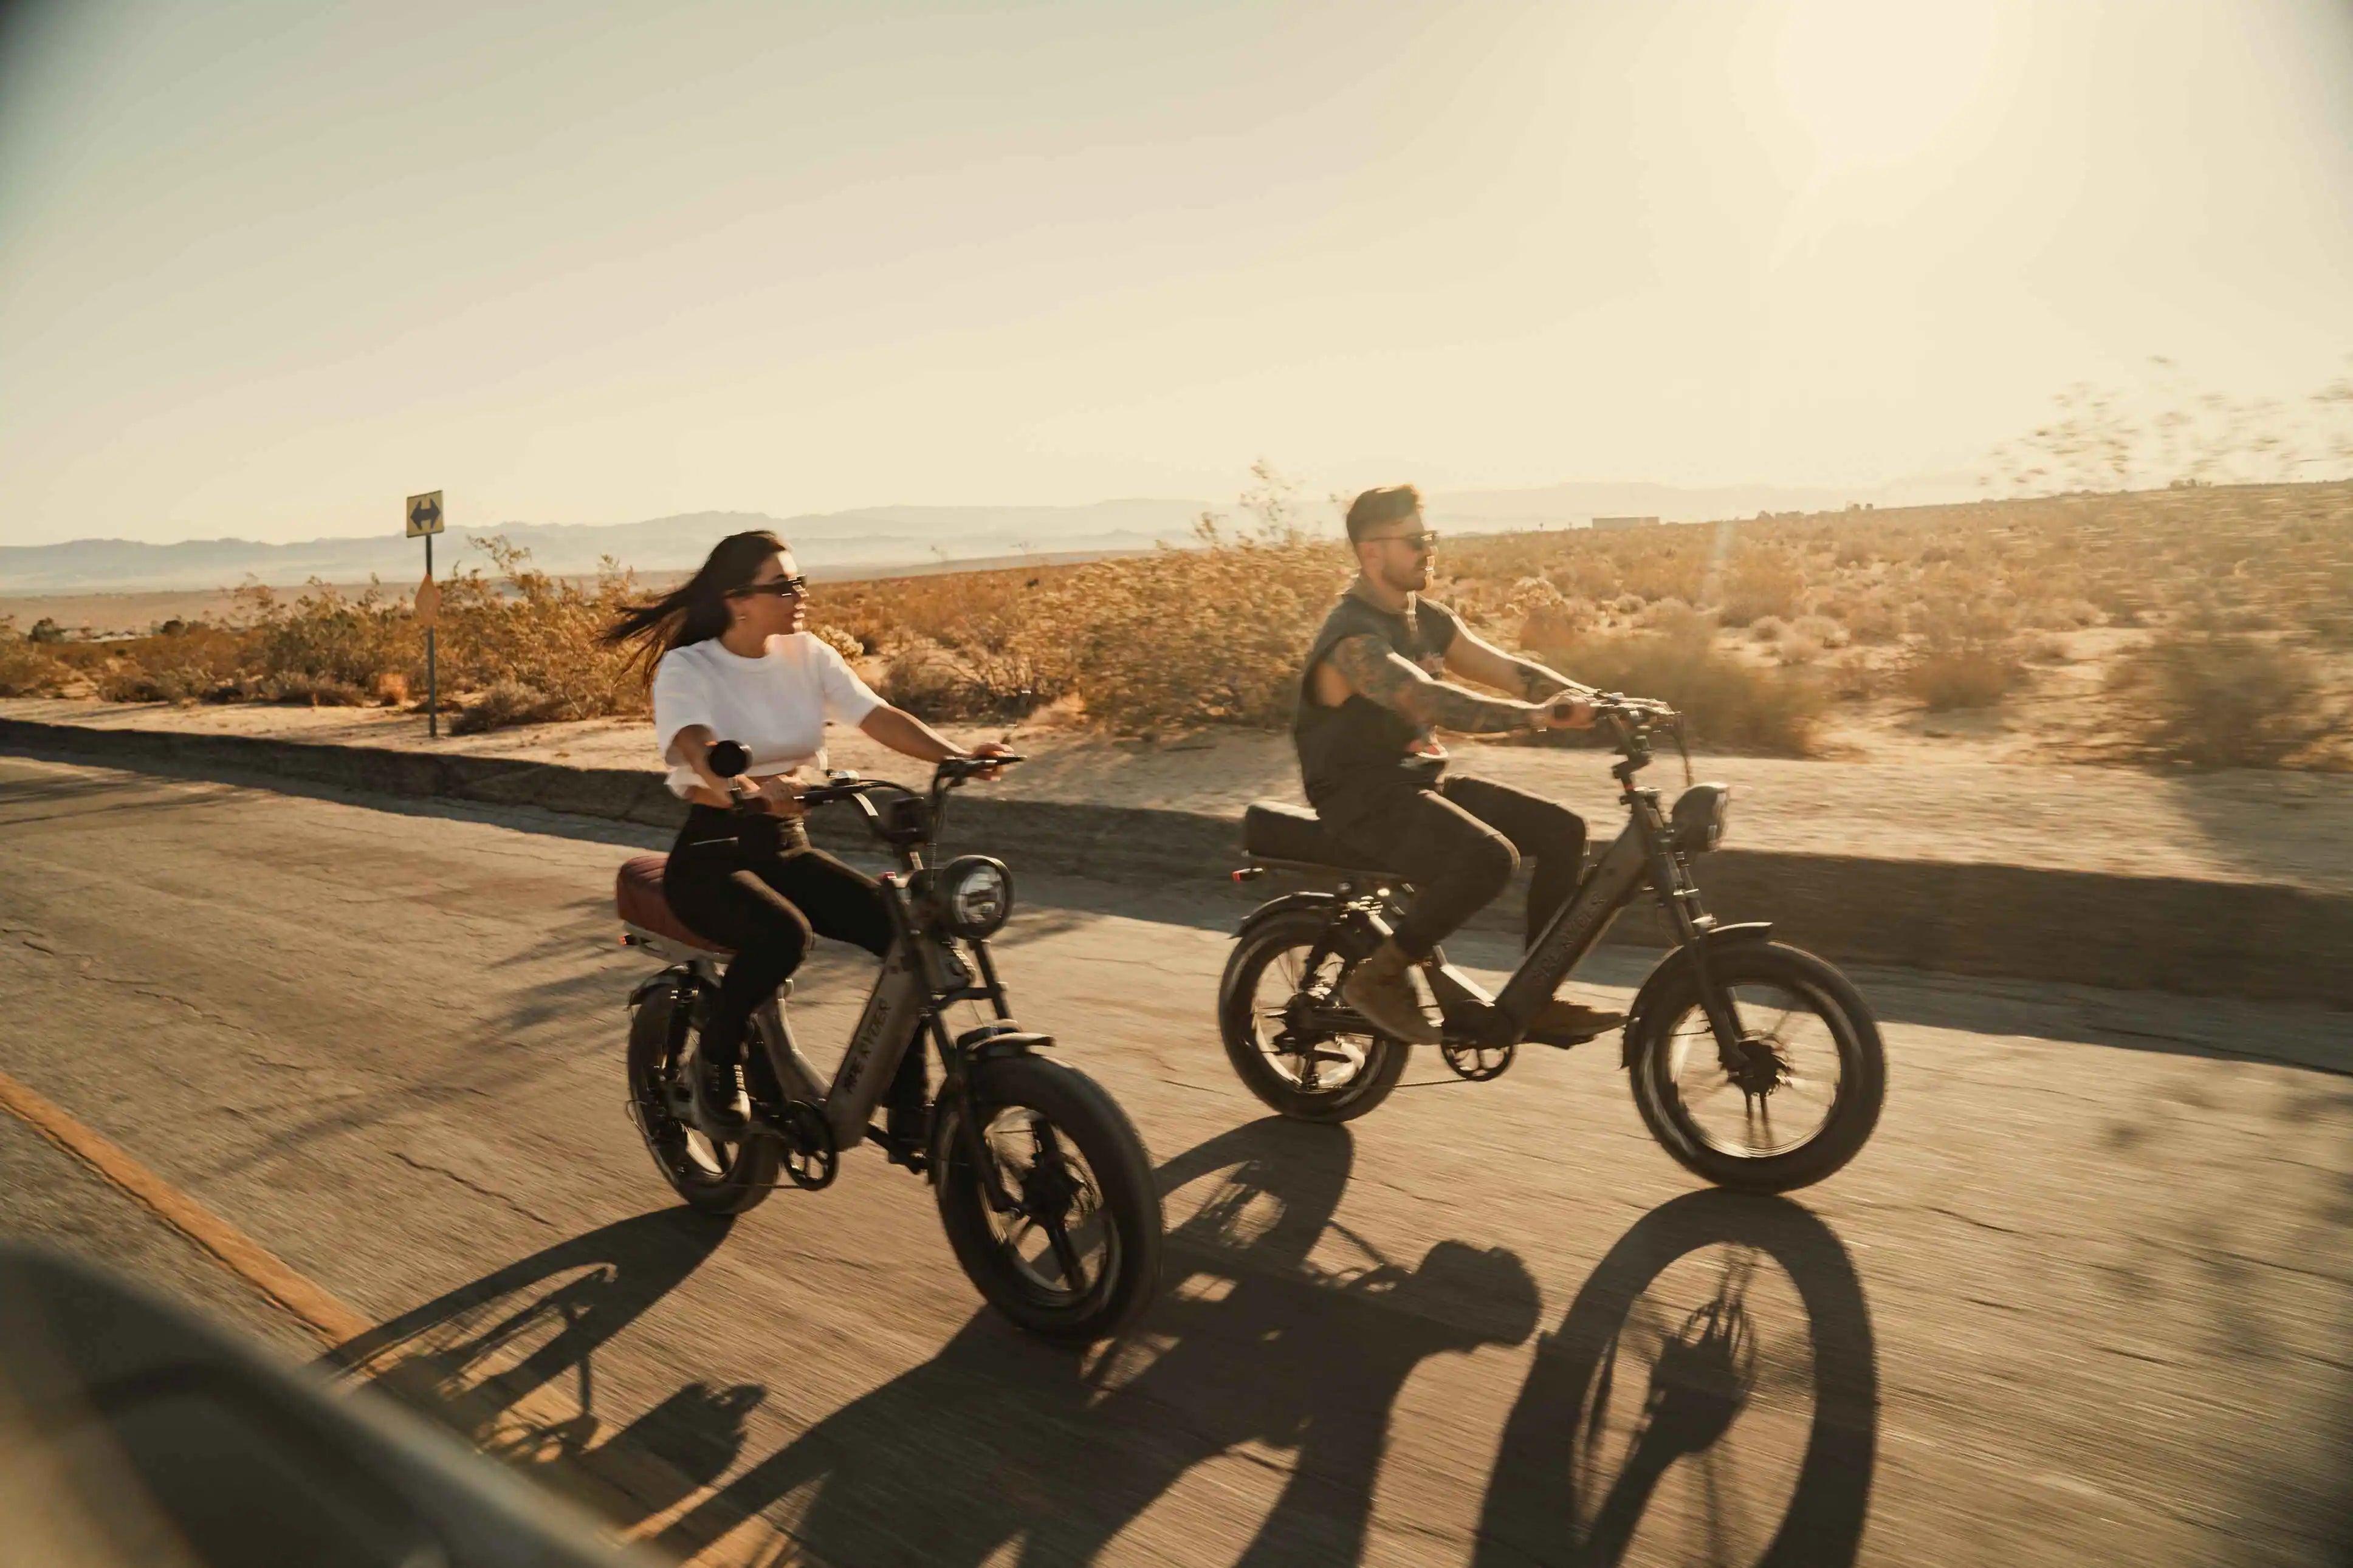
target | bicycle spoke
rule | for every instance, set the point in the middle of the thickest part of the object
(1066, 1257)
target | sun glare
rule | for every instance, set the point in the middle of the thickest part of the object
(1879, 81)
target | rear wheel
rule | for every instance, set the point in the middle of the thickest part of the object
(1078, 1256)
(1277, 1019)
(716, 1175)
(1800, 1096)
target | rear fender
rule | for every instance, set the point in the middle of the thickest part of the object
(1284, 905)
(676, 974)
(1670, 969)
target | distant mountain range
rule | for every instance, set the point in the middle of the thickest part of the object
(840, 543)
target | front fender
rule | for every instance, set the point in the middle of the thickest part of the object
(1666, 972)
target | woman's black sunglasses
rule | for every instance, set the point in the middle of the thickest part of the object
(781, 587)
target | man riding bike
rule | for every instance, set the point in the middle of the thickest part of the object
(1370, 699)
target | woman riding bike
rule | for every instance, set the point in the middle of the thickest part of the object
(730, 659)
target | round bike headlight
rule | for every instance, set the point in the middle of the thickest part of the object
(975, 896)
(1699, 817)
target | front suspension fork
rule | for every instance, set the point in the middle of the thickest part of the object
(1691, 924)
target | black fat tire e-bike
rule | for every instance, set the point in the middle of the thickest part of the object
(1044, 1187)
(1756, 1064)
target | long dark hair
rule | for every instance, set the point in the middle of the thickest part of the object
(696, 610)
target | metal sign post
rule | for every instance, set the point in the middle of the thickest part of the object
(423, 514)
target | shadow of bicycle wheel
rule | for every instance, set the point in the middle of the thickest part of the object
(1661, 1360)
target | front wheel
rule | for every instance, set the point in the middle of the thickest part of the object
(1077, 1256)
(1794, 1103)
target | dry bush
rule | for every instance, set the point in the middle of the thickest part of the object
(1963, 676)
(25, 668)
(529, 629)
(324, 647)
(1797, 649)
(1767, 628)
(1762, 584)
(1873, 618)
(2223, 700)
(1732, 705)
(192, 663)
(1853, 678)
(934, 682)
(1182, 638)
(507, 703)
(1824, 631)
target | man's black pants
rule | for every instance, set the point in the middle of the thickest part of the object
(1458, 842)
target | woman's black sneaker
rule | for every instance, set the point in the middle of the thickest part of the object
(722, 1109)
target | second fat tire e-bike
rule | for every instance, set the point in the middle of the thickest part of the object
(1756, 1065)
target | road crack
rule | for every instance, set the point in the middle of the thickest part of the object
(473, 1187)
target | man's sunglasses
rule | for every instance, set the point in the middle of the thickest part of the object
(781, 587)
(1420, 543)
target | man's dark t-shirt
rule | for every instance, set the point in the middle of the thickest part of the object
(1360, 743)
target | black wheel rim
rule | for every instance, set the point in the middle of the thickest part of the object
(688, 1153)
(1059, 1242)
(1784, 1089)
(1308, 1061)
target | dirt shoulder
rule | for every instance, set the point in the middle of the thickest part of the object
(1916, 800)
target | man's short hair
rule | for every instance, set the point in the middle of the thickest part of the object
(1385, 503)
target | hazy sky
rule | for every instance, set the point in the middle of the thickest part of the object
(267, 265)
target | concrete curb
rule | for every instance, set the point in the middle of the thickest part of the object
(2258, 940)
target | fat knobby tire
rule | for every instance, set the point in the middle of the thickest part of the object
(1081, 1109)
(1862, 1069)
(1258, 947)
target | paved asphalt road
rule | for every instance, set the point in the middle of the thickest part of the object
(2085, 1298)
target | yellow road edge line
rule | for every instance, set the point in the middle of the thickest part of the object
(242, 1255)
(742, 1538)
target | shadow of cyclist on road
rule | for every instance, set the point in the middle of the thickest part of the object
(470, 1358)
(1000, 1440)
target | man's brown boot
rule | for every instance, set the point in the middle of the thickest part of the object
(1562, 1022)
(1380, 988)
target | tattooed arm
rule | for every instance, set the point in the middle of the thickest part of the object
(1474, 659)
(1371, 668)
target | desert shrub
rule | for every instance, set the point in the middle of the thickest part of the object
(1181, 639)
(1853, 678)
(25, 668)
(1962, 676)
(318, 691)
(506, 703)
(1761, 584)
(1824, 631)
(1797, 649)
(533, 630)
(840, 641)
(1732, 705)
(1767, 628)
(2224, 700)
(1873, 618)
(325, 648)
(193, 663)
(935, 682)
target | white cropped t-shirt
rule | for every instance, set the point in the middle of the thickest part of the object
(775, 706)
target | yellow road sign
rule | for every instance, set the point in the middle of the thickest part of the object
(429, 604)
(423, 514)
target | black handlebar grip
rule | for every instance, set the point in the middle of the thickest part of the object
(728, 758)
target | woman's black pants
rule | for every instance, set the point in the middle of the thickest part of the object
(756, 886)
